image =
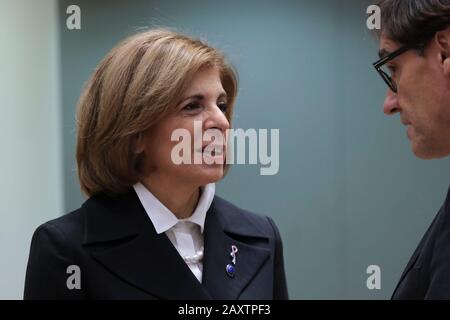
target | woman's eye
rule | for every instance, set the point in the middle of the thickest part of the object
(222, 106)
(192, 107)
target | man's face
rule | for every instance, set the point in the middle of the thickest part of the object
(422, 98)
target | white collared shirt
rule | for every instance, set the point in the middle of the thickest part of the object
(186, 235)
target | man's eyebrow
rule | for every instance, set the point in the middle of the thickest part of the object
(383, 53)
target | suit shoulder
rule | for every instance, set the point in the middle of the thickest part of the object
(244, 220)
(68, 226)
(442, 219)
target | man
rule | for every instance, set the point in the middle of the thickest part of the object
(415, 64)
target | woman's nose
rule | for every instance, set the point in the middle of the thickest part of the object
(217, 119)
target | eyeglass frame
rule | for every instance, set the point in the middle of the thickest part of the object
(391, 56)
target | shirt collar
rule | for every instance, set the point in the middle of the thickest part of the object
(163, 219)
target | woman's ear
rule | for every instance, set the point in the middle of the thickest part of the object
(138, 143)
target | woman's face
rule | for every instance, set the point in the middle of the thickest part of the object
(204, 103)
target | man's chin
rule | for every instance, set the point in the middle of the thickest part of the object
(426, 153)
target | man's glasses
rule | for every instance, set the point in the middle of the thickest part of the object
(384, 71)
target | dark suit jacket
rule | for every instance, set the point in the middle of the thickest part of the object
(427, 275)
(120, 255)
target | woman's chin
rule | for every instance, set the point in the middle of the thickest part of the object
(213, 173)
(199, 174)
(205, 173)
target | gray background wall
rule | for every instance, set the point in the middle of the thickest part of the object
(31, 181)
(349, 192)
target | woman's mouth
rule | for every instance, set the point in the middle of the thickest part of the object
(212, 154)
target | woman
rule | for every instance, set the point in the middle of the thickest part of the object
(153, 228)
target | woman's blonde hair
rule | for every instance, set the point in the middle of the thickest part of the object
(137, 84)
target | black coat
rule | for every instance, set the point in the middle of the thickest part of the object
(427, 275)
(120, 255)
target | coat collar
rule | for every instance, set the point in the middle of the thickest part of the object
(423, 243)
(227, 226)
(163, 219)
(120, 236)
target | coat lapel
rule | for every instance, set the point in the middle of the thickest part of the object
(416, 254)
(222, 228)
(122, 238)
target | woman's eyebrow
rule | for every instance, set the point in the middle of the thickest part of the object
(199, 96)
(223, 95)
(193, 97)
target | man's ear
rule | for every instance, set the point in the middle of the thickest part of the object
(443, 42)
(447, 66)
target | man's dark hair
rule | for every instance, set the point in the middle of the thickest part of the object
(412, 22)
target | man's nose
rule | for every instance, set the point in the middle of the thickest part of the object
(390, 105)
